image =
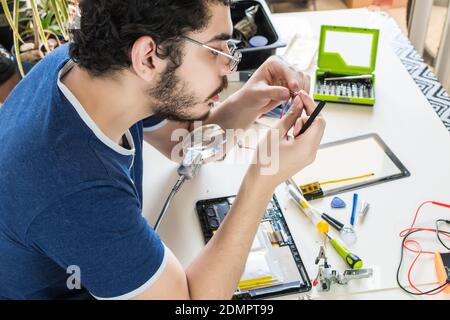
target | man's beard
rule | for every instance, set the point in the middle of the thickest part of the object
(173, 101)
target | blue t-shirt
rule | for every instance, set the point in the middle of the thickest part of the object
(70, 198)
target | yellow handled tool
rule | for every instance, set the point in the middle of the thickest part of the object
(351, 259)
(312, 213)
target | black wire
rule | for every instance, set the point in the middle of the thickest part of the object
(174, 190)
(437, 233)
(400, 265)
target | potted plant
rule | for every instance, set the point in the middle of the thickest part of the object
(38, 27)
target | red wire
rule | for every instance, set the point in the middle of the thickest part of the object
(410, 271)
(415, 216)
(419, 252)
(421, 229)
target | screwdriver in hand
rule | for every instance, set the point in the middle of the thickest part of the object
(313, 116)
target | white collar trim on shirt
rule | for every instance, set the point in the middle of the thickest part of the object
(88, 120)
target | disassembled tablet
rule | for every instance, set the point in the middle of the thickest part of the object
(274, 266)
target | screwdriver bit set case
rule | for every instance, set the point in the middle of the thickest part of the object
(346, 65)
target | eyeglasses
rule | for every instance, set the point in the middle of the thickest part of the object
(233, 56)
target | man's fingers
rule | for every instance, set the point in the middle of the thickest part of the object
(276, 93)
(308, 102)
(298, 81)
(299, 125)
(307, 84)
(295, 80)
(314, 133)
(290, 117)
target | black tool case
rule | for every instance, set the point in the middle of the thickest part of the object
(252, 58)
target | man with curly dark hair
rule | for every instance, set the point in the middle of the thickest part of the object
(71, 224)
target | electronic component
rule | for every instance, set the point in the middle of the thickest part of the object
(275, 237)
(312, 190)
(274, 266)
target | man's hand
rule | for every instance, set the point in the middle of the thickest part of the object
(271, 84)
(294, 152)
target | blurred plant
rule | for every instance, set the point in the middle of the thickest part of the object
(38, 26)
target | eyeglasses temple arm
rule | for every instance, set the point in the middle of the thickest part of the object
(212, 49)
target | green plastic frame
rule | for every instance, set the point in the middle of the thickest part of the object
(333, 63)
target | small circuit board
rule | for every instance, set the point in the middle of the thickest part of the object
(274, 266)
(312, 190)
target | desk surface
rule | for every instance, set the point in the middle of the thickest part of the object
(402, 117)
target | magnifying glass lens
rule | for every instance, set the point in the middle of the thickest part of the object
(209, 140)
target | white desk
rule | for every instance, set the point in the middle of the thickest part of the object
(404, 120)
